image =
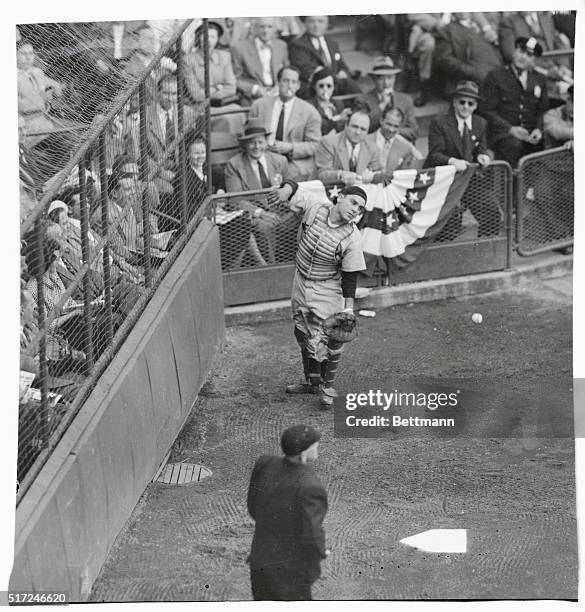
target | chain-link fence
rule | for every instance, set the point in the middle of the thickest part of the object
(545, 197)
(102, 231)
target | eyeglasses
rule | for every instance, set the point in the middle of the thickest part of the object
(325, 86)
(469, 103)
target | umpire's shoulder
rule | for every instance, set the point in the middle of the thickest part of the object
(266, 460)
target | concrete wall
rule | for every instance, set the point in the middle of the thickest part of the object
(69, 518)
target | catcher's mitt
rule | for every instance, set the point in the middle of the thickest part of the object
(341, 326)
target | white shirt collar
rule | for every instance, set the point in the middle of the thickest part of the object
(460, 123)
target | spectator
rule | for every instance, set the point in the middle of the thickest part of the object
(515, 102)
(348, 156)
(36, 91)
(294, 125)
(462, 53)
(256, 167)
(558, 124)
(396, 153)
(459, 138)
(540, 26)
(195, 175)
(257, 60)
(222, 81)
(332, 112)
(313, 49)
(162, 135)
(143, 54)
(421, 47)
(383, 74)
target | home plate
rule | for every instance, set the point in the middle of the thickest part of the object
(439, 540)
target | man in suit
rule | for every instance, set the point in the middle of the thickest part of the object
(314, 49)
(295, 125)
(396, 153)
(383, 74)
(462, 53)
(459, 138)
(257, 60)
(274, 227)
(515, 102)
(348, 155)
(540, 26)
(288, 502)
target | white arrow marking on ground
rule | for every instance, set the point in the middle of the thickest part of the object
(439, 540)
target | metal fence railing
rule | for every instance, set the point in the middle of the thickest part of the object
(545, 195)
(100, 237)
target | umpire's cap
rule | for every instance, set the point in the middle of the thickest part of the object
(298, 438)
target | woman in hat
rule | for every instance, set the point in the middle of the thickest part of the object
(222, 81)
(333, 114)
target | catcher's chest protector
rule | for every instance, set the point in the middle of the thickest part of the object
(318, 254)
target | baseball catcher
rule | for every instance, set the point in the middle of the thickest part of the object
(328, 258)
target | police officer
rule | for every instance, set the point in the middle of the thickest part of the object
(515, 102)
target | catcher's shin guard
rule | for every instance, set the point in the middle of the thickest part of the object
(311, 367)
(334, 350)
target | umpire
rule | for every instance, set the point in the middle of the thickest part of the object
(288, 503)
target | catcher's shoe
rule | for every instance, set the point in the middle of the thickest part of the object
(302, 387)
(327, 395)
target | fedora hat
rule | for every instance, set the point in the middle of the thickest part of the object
(469, 89)
(253, 128)
(383, 66)
(212, 25)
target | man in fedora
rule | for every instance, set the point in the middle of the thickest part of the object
(516, 99)
(288, 502)
(459, 138)
(294, 125)
(255, 167)
(383, 74)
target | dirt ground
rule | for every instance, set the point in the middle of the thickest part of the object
(506, 474)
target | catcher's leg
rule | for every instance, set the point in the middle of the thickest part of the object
(334, 350)
(311, 368)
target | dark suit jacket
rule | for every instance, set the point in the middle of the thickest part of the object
(327, 124)
(306, 58)
(462, 53)
(402, 101)
(240, 176)
(445, 141)
(506, 103)
(288, 503)
(247, 66)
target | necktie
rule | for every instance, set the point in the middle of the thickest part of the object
(169, 129)
(264, 180)
(280, 127)
(467, 144)
(322, 53)
(352, 160)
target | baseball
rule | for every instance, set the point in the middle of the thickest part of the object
(476, 317)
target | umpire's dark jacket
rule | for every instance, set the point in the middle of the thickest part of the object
(288, 503)
(508, 104)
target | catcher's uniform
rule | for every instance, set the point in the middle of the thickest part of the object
(323, 252)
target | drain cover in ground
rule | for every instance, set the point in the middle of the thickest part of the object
(183, 473)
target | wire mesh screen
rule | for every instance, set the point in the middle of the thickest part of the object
(96, 240)
(482, 211)
(254, 232)
(545, 201)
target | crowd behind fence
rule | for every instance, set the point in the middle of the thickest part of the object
(115, 173)
(99, 238)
